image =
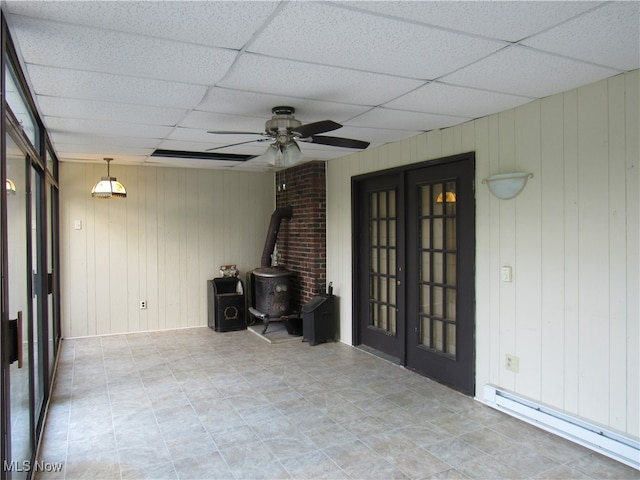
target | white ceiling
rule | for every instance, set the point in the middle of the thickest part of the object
(121, 79)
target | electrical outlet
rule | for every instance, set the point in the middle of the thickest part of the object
(143, 304)
(512, 363)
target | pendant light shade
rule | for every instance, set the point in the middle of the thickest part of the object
(292, 154)
(108, 187)
(283, 155)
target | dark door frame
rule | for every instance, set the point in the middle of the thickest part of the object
(356, 206)
(375, 183)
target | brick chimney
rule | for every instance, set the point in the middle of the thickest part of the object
(302, 240)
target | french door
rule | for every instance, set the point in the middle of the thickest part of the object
(380, 277)
(414, 257)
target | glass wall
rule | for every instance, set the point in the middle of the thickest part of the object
(30, 330)
(20, 370)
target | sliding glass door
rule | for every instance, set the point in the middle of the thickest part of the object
(29, 328)
(19, 309)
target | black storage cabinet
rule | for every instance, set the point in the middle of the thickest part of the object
(226, 306)
(318, 319)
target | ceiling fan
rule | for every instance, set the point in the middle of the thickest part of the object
(284, 131)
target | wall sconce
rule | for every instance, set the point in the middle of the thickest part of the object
(108, 187)
(10, 187)
(507, 185)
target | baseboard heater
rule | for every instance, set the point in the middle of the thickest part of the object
(595, 437)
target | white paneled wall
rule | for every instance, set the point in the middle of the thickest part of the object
(160, 244)
(571, 314)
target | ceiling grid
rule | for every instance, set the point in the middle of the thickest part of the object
(122, 79)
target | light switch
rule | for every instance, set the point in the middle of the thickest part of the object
(77, 224)
(505, 273)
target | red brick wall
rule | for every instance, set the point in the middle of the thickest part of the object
(302, 240)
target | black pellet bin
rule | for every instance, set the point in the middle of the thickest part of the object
(318, 319)
(226, 309)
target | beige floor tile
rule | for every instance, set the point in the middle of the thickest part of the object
(194, 403)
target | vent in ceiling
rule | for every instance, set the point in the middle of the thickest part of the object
(227, 157)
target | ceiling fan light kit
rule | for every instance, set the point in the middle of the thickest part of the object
(284, 156)
(287, 131)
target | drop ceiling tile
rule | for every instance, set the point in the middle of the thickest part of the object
(522, 71)
(124, 159)
(100, 127)
(193, 135)
(112, 151)
(609, 36)
(61, 82)
(505, 20)
(80, 139)
(257, 73)
(376, 135)
(222, 100)
(228, 24)
(405, 120)
(325, 34)
(75, 47)
(127, 106)
(216, 121)
(95, 110)
(444, 99)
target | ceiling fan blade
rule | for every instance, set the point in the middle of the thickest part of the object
(316, 127)
(229, 132)
(338, 142)
(239, 143)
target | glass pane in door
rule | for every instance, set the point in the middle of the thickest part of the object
(437, 269)
(37, 288)
(18, 307)
(51, 314)
(382, 261)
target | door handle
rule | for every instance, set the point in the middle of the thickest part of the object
(15, 339)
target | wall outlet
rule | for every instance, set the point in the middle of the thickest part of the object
(143, 304)
(512, 363)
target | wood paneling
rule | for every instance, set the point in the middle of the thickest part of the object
(161, 244)
(571, 312)
(632, 206)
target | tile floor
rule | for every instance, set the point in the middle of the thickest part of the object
(196, 404)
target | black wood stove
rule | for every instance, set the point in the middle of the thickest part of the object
(272, 286)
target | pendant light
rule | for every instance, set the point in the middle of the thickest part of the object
(108, 187)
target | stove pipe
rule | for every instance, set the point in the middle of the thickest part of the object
(272, 233)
